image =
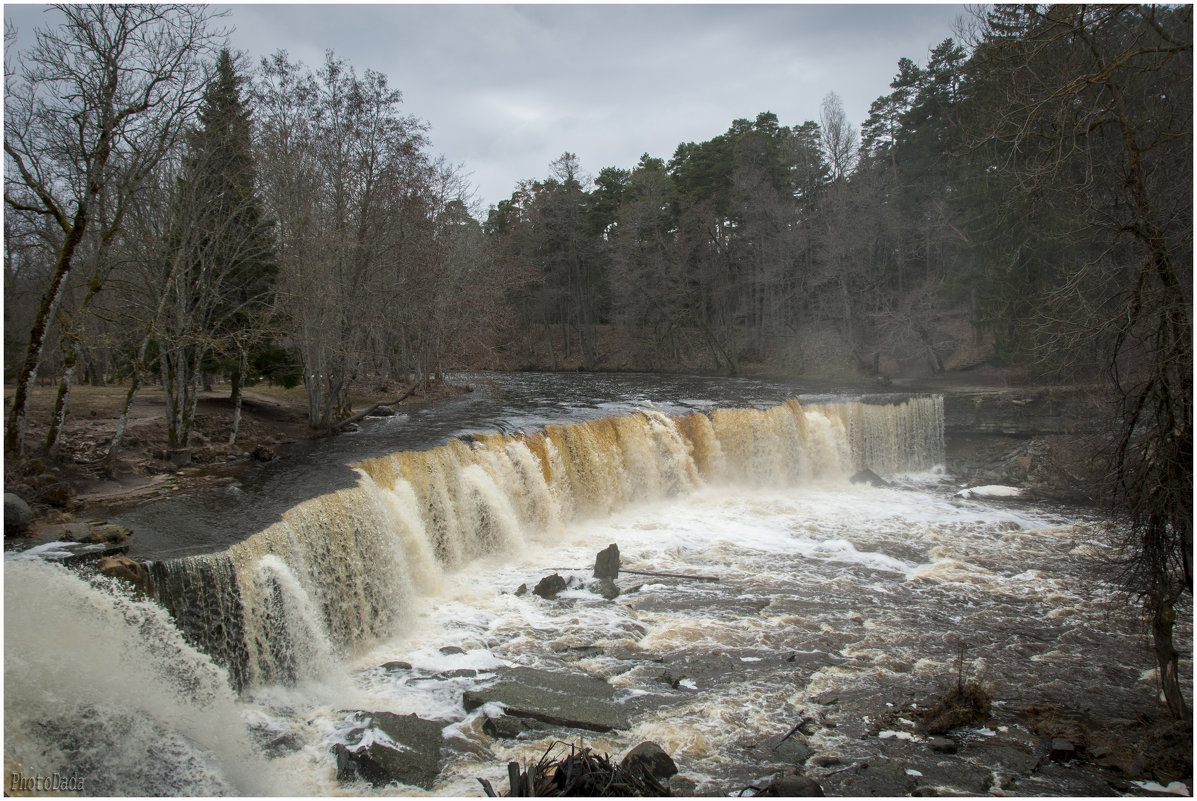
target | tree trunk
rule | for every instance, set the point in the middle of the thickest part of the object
(58, 419)
(1162, 621)
(122, 422)
(236, 380)
(70, 352)
(18, 420)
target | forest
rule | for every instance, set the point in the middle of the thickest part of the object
(178, 214)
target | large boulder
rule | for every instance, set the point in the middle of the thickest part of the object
(17, 515)
(651, 759)
(125, 569)
(385, 748)
(606, 564)
(549, 586)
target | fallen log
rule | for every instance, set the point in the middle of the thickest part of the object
(695, 577)
(380, 404)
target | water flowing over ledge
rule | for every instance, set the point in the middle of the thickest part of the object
(341, 571)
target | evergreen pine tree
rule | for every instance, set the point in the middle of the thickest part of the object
(227, 249)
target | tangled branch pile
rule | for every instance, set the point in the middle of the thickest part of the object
(581, 772)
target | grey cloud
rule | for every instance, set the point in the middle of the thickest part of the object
(506, 88)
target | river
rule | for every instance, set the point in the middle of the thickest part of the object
(380, 571)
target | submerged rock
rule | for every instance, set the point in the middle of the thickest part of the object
(388, 748)
(508, 727)
(575, 700)
(943, 745)
(606, 588)
(867, 476)
(792, 785)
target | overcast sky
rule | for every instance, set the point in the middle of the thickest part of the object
(506, 89)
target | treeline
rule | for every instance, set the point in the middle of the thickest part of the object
(974, 218)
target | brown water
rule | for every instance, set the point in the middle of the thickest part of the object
(834, 602)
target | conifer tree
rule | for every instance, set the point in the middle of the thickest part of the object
(224, 292)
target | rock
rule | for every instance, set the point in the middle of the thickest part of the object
(792, 786)
(262, 454)
(867, 476)
(650, 758)
(883, 777)
(382, 411)
(575, 700)
(452, 650)
(180, 457)
(792, 749)
(34, 467)
(508, 727)
(460, 673)
(683, 787)
(107, 533)
(549, 586)
(521, 589)
(942, 745)
(125, 569)
(388, 748)
(395, 667)
(1062, 750)
(606, 564)
(606, 588)
(17, 515)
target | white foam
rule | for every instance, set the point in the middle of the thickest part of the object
(890, 734)
(1175, 788)
(991, 491)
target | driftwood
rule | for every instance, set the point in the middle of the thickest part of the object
(581, 772)
(375, 407)
(693, 576)
(805, 719)
(669, 575)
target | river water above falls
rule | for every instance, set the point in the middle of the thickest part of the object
(381, 574)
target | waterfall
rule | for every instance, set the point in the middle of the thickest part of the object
(341, 571)
(103, 695)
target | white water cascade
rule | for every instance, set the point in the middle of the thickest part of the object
(344, 570)
(836, 602)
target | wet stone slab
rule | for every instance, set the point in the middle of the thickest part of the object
(560, 698)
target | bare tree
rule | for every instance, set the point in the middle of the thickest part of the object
(1096, 121)
(840, 138)
(95, 102)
